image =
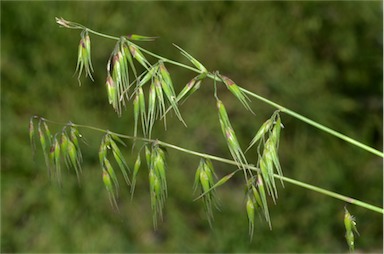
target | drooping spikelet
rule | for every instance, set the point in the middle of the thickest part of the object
(232, 142)
(157, 181)
(84, 56)
(235, 90)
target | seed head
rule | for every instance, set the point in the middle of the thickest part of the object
(84, 56)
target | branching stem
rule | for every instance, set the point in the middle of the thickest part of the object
(231, 162)
(261, 98)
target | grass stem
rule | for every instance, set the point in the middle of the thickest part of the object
(231, 162)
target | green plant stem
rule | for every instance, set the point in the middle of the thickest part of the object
(315, 124)
(227, 161)
(281, 108)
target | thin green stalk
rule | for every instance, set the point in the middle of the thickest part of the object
(286, 179)
(227, 161)
(315, 124)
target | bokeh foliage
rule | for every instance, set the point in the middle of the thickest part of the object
(322, 59)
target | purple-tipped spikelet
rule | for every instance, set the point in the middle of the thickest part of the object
(192, 86)
(136, 53)
(232, 142)
(186, 89)
(235, 90)
(84, 56)
(112, 93)
(263, 196)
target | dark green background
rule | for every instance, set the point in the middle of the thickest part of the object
(321, 59)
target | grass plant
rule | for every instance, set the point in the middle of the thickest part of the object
(125, 85)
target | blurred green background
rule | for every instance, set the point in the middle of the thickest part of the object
(321, 59)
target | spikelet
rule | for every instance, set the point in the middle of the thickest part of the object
(232, 142)
(157, 181)
(250, 207)
(204, 181)
(138, 55)
(118, 76)
(267, 138)
(45, 141)
(192, 59)
(191, 87)
(109, 187)
(151, 117)
(136, 37)
(235, 90)
(142, 110)
(350, 228)
(136, 169)
(167, 86)
(84, 56)
(136, 112)
(55, 158)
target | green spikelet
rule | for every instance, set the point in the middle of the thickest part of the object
(136, 169)
(350, 228)
(137, 37)
(251, 215)
(109, 186)
(138, 55)
(44, 144)
(205, 182)
(84, 56)
(167, 86)
(235, 90)
(192, 59)
(32, 136)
